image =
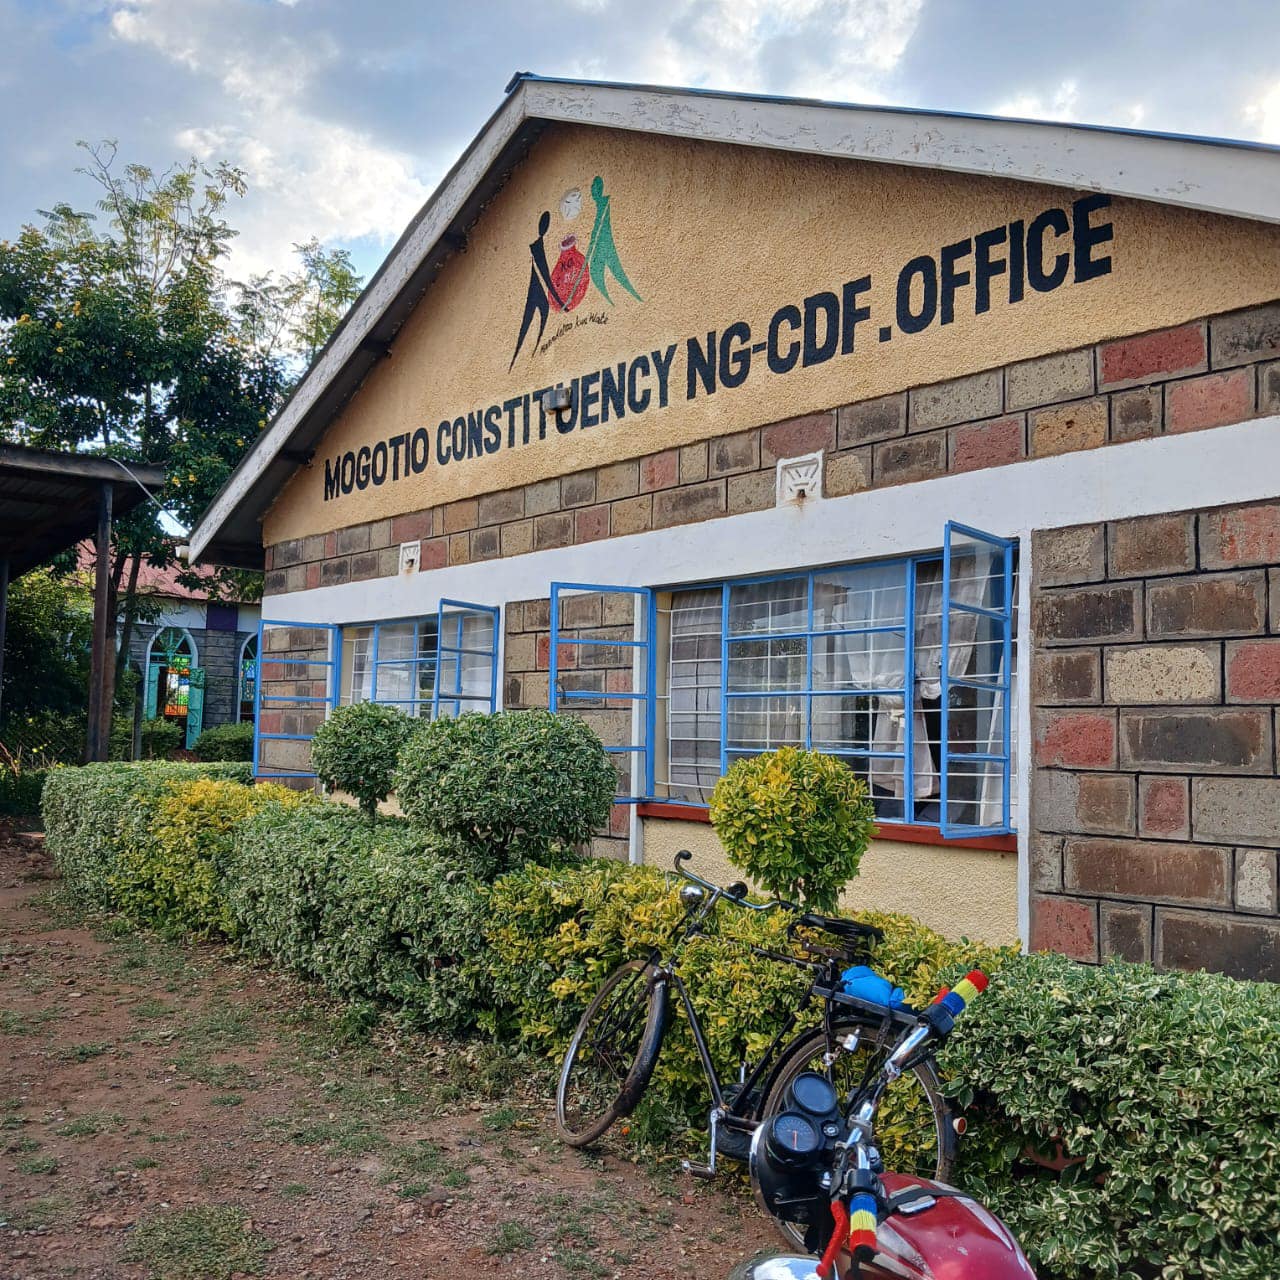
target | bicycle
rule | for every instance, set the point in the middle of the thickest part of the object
(611, 1058)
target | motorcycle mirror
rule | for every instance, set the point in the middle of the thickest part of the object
(776, 1266)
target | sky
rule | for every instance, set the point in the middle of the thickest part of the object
(344, 116)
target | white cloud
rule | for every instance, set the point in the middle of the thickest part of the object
(1262, 117)
(1061, 105)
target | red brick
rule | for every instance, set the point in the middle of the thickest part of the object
(1065, 925)
(1195, 874)
(567, 659)
(313, 576)
(659, 470)
(1164, 808)
(1239, 947)
(417, 524)
(1235, 536)
(988, 444)
(1153, 357)
(795, 436)
(435, 554)
(1253, 671)
(1152, 544)
(591, 524)
(1211, 401)
(1076, 739)
(1066, 677)
(1212, 605)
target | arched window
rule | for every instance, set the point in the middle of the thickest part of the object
(171, 656)
(247, 678)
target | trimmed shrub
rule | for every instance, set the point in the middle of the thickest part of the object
(20, 789)
(92, 813)
(374, 911)
(519, 784)
(170, 874)
(797, 822)
(356, 750)
(225, 742)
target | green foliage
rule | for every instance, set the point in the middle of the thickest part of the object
(213, 1242)
(20, 789)
(46, 649)
(160, 738)
(372, 911)
(225, 742)
(1165, 1088)
(797, 822)
(356, 750)
(170, 873)
(92, 813)
(519, 784)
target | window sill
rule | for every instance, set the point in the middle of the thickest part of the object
(907, 834)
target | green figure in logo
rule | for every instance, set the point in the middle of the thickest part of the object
(602, 253)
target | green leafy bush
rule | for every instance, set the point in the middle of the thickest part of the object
(356, 750)
(372, 911)
(797, 822)
(92, 813)
(161, 738)
(225, 742)
(171, 873)
(20, 789)
(519, 784)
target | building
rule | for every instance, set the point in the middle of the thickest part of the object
(947, 444)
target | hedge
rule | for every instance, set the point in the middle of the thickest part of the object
(21, 789)
(225, 742)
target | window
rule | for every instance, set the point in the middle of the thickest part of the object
(171, 658)
(391, 662)
(831, 659)
(247, 678)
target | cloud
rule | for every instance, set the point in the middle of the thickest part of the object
(1262, 116)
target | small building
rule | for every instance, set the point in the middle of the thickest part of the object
(949, 445)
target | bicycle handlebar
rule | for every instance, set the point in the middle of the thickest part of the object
(736, 893)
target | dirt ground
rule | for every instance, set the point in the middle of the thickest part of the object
(172, 1111)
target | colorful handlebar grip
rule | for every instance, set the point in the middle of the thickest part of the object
(862, 1225)
(963, 994)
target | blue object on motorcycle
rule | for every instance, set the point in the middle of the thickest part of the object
(866, 984)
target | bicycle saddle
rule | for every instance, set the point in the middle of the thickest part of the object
(849, 931)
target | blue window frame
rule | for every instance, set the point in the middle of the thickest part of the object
(466, 669)
(293, 694)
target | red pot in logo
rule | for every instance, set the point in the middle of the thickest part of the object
(569, 275)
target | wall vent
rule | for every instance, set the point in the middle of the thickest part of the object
(800, 479)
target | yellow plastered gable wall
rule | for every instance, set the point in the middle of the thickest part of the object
(711, 235)
(960, 892)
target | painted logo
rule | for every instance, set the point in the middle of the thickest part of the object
(563, 287)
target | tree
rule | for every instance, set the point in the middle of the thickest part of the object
(120, 333)
(46, 647)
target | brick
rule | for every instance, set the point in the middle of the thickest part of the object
(274, 583)
(498, 508)
(485, 544)
(1239, 947)
(1256, 881)
(1153, 357)
(1066, 376)
(1238, 810)
(1212, 740)
(459, 548)
(578, 490)
(755, 491)
(517, 538)
(1269, 388)
(618, 610)
(353, 539)
(1066, 925)
(519, 653)
(288, 553)
(566, 656)
(320, 546)
(1137, 414)
(1151, 545)
(365, 566)
(1193, 874)
(1207, 605)
(1046, 861)
(313, 576)
(460, 516)
(1092, 614)
(730, 455)
(581, 610)
(1065, 557)
(689, 504)
(1164, 808)
(536, 687)
(553, 530)
(333, 572)
(542, 498)
(1245, 336)
(1065, 428)
(536, 615)
(1253, 671)
(1125, 932)
(1075, 739)
(846, 473)
(1164, 673)
(904, 461)
(794, 436)
(1233, 537)
(591, 523)
(1213, 400)
(980, 395)
(988, 444)
(411, 528)
(380, 534)
(660, 471)
(1066, 676)
(619, 480)
(434, 553)
(1090, 803)
(693, 463)
(871, 420)
(632, 515)
(1273, 578)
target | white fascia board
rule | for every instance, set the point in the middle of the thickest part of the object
(1240, 181)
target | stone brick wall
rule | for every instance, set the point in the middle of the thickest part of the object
(1203, 374)
(284, 679)
(1155, 688)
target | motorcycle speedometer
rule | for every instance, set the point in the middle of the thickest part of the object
(792, 1138)
(813, 1094)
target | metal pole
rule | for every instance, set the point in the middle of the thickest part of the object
(102, 661)
(4, 621)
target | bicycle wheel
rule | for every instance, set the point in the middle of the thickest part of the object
(914, 1129)
(611, 1057)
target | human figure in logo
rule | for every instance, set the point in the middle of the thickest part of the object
(540, 286)
(602, 253)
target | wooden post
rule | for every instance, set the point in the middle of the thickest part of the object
(102, 664)
(4, 622)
